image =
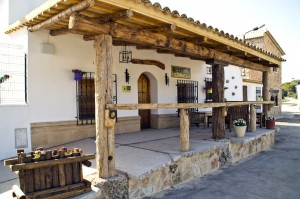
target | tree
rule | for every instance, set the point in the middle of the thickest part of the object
(289, 88)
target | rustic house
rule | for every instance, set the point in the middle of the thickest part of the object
(142, 63)
(252, 80)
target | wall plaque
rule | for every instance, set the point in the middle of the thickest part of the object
(181, 72)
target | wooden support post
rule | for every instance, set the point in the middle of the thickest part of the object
(266, 93)
(184, 130)
(252, 118)
(218, 118)
(103, 95)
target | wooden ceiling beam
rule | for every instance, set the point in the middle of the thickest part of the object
(239, 54)
(164, 51)
(64, 31)
(196, 40)
(62, 15)
(157, 29)
(116, 16)
(157, 40)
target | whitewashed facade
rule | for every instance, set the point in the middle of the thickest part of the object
(51, 86)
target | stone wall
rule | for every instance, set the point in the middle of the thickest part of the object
(184, 169)
(267, 42)
(200, 163)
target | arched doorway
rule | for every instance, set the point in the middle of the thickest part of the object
(144, 97)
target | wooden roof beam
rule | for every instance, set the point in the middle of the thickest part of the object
(170, 28)
(157, 40)
(64, 31)
(196, 40)
(164, 51)
(63, 15)
(240, 54)
(116, 16)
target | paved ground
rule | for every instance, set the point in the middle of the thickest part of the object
(273, 174)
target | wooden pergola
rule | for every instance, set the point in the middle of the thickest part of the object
(148, 26)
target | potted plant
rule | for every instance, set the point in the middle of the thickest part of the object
(270, 122)
(78, 74)
(240, 126)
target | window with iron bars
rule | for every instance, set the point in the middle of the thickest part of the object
(187, 92)
(85, 97)
(13, 79)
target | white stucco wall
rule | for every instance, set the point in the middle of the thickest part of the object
(51, 87)
(14, 116)
(233, 80)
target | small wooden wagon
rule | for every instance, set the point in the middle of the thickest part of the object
(50, 174)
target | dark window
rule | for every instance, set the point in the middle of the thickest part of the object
(86, 99)
(208, 89)
(85, 92)
(258, 98)
(187, 92)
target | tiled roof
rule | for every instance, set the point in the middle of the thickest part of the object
(108, 6)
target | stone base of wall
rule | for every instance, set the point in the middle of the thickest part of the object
(243, 148)
(110, 188)
(200, 163)
(164, 121)
(184, 169)
(128, 124)
(50, 134)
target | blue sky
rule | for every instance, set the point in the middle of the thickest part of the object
(281, 17)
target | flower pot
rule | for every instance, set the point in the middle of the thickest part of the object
(77, 76)
(270, 124)
(240, 131)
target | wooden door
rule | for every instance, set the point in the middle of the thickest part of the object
(144, 97)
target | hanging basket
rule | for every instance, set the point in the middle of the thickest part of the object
(78, 76)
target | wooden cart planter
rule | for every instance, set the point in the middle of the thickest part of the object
(50, 174)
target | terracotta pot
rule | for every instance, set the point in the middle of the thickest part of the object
(270, 124)
(240, 131)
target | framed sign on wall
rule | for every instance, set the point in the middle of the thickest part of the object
(181, 72)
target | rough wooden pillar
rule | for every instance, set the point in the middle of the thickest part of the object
(266, 93)
(184, 130)
(103, 96)
(218, 117)
(252, 126)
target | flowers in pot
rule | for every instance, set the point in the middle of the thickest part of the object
(270, 122)
(78, 74)
(240, 126)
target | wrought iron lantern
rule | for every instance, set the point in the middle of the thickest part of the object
(167, 79)
(127, 76)
(209, 70)
(243, 72)
(125, 54)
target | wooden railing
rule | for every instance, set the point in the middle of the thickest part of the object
(182, 105)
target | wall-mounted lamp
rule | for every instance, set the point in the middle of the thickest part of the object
(125, 54)
(209, 70)
(127, 76)
(243, 72)
(167, 79)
